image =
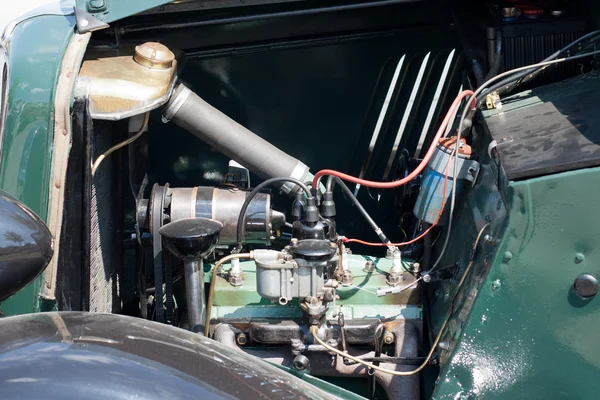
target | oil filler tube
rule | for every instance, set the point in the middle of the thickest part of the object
(222, 133)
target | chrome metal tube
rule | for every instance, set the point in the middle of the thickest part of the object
(225, 135)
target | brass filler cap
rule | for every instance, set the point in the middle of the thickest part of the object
(154, 55)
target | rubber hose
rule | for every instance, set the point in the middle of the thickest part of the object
(495, 68)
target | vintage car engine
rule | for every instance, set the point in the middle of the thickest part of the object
(383, 200)
(285, 291)
(267, 300)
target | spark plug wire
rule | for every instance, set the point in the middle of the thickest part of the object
(413, 174)
(422, 235)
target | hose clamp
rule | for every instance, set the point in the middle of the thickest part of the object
(299, 172)
(174, 106)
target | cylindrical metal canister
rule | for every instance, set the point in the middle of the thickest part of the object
(224, 205)
(431, 197)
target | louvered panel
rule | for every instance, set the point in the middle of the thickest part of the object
(428, 83)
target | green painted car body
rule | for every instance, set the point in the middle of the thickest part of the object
(518, 330)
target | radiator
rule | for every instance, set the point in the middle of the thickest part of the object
(531, 41)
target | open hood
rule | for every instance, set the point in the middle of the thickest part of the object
(113, 10)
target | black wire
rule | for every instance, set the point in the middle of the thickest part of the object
(360, 208)
(242, 217)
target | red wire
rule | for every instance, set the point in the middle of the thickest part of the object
(422, 235)
(412, 175)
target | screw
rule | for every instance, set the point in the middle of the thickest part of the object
(388, 338)
(444, 345)
(579, 257)
(242, 339)
(426, 278)
(507, 256)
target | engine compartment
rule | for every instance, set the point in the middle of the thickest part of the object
(287, 280)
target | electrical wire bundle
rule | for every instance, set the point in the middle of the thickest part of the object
(512, 77)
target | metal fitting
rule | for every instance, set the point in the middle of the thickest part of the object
(369, 266)
(492, 100)
(394, 278)
(347, 278)
(235, 273)
(241, 339)
(301, 362)
(388, 338)
(236, 280)
(416, 267)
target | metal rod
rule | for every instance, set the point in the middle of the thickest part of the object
(194, 294)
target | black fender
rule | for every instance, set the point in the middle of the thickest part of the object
(75, 355)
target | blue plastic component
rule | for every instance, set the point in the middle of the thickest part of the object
(431, 197)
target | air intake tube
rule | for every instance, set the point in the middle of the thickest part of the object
(222, 133)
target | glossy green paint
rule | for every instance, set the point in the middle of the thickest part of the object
(528, 336)
(113, 10)
(357, 301)
(35, 53)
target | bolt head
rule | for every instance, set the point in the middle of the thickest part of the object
(579, 258)
(586, 286)
(301, 362)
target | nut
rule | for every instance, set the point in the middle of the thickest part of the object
(242, 339)
(388, 338)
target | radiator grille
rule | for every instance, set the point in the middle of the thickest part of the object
(530, 43)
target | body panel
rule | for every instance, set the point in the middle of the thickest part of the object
(35, 50)
(529, 335)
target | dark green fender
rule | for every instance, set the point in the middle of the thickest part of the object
(35, 52)
(529, 336)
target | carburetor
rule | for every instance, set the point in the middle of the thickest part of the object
(300, 271)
